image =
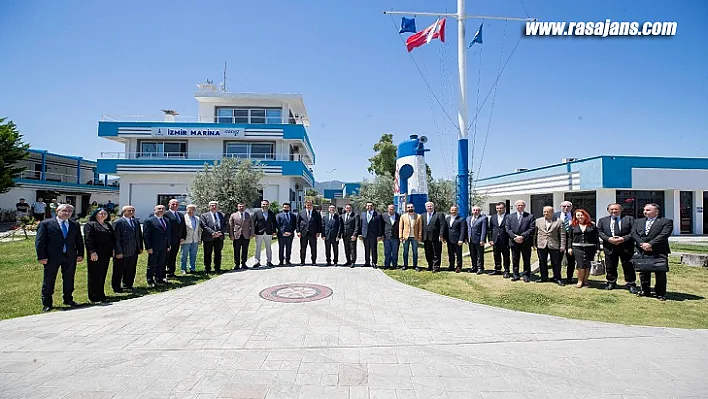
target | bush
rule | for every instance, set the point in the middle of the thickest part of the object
(7, 215)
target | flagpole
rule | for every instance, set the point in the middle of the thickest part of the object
(463, 143)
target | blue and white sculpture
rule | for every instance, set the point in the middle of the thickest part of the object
(411, 181)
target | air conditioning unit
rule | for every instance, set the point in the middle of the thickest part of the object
(567, 160)
(517, 170)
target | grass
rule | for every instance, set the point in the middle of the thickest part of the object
(691, 248)
(21, 282)
(686, 305)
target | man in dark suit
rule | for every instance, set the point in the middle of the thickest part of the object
(651, 234)
(351, 223)
(264, 229)
(176, 222)
(520, 228)
(618, 245)
(331, 230)
(455, 235)
(129, 244)
(309, 228)
(371, 232)
(433, 232)
(391, 224)
(566, 217)
(59, 244)
(477, 234)
(157, 236)
(286, 223)
(214, 229)
(499, 239)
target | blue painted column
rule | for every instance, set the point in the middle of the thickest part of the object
(95, 177)
(43, 173)
(463, 196)
(78, 171)
(105, 180)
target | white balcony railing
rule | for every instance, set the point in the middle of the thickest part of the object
(206, 156)
(174, 118)
(56, 177)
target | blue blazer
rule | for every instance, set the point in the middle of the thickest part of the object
(373, 228)
(525, 228)
(281, 222)
(50, 241)
(331, 226)
(156, 237)
(477, 232)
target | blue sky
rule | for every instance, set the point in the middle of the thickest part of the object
(67, 63)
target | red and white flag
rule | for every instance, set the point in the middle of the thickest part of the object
(434, 31)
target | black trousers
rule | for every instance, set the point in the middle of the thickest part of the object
(519, 251)
(659, 288)
(214, 246)
(612, 260)
(371, 250)
(172, 259)
(570, 270)
(433, 251)
(240, 246)
(97, 272)
(332, 246)
(304, 242)
(156, 266)
(499, 253)
(555, 262)
(51, 269)
(124, 269)
(285, 247)
(454, 254)
(350, 250)
(477, 255)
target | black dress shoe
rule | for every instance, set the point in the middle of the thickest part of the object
(515, 278)
(256, 265)
(314, 263)
(480, 271)
(269, 264)
(302, 263)
(526, 279)
(71, 303)
(633, 289)
(329, 263)
(405, 268)
(351, 266)
(661, 298)
(417, 269)
(506, 275)
(496, 273)
(542, 280)
(46, 309)
(560, 282)
(288, 263)
(610, 286)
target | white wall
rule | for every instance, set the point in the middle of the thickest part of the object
(672, 209)
(677, 179)
(698, 216)
(10, 198)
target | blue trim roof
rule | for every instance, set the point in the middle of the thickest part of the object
(602, 171)
(72, 157)
(66, 185)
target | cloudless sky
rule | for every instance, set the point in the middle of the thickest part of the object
(65, 63)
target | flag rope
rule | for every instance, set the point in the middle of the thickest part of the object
(430, 89)
(479, 81)
(491, 111)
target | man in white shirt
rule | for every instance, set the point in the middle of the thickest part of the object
(566, 217)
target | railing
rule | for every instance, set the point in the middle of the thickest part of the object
(175, 118)
(61, 178)
(207, 156)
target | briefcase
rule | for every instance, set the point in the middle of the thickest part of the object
(644, 262)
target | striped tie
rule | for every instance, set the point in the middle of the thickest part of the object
(566, 223)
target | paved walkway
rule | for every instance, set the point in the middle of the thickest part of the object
(373, 338)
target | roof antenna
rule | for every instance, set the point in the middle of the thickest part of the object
(224, 76)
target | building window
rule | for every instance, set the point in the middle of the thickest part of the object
(583, 200)
(248, 115)
(538, 201)
(686, 212)
(633, 201)
(164, 199)
(163, 149)
(246, 150)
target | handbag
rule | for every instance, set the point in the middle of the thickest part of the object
(644, 262)
(597, 267)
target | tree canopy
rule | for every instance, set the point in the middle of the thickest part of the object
(229, 182)
(12, 150)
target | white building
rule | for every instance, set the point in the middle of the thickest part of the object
(161, 156)
(678, 185)
(66, 178)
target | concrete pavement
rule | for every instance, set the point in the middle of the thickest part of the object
(372, 338)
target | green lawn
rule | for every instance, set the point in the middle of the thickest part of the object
(691, 248)
(21, 281)
(686, 305)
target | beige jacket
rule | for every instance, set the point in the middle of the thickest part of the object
(404, 227)
(239, 226)
(193, 234)
(551, 237)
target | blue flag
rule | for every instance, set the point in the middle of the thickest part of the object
(407, 25)
(477, 36)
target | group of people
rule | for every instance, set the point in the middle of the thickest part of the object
(512, 236)
(38, 209)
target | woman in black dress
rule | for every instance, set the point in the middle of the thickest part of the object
(99, 238)
(585, 243)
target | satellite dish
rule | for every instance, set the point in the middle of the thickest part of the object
(423, 139)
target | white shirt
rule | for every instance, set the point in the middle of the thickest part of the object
(499, 219)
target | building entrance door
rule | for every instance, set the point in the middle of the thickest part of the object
(538, 201)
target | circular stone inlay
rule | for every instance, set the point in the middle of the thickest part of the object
(296, 293)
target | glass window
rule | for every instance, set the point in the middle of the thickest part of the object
(258, 112)
(150, 149)
(584, 200)
(164, 199)
(249, 115)
(262, 151)
(163, 148)
(274, 116)
(238, 150)
(175, 149)
(240, 116)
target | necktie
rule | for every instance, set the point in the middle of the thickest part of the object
(428, 219)
(519, 217)
(566, 223)
(309, 215)
(650, 222)
(368, 216)
(216, 219)
(346, 217)
(287, 216)
(176, 216)
(132, 224)
(194, 222)
(162, 222)
(65, 231)
(612, 227)
(265, 215)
